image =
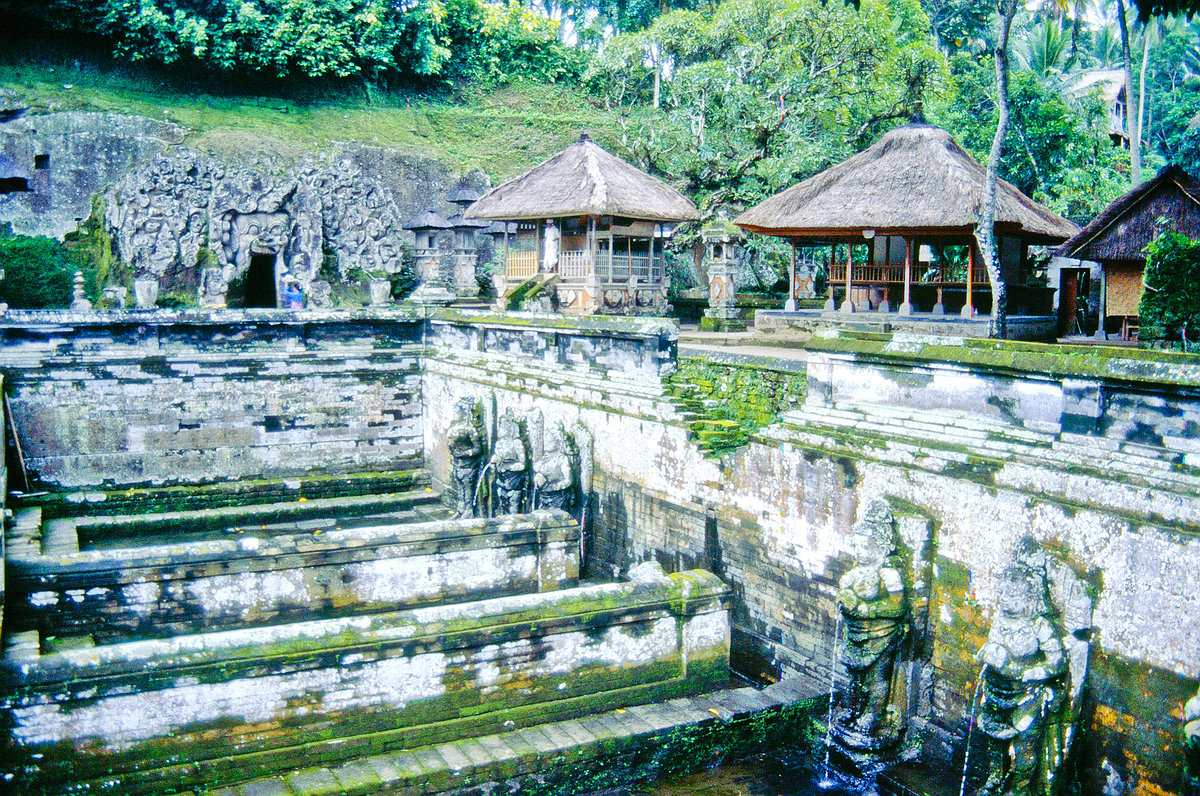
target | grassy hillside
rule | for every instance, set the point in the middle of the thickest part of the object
(501, 132)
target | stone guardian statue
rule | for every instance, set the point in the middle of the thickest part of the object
(511, 464)
(1025, 688)
(874, 609)
(554, 473)
(1191, 738)
(465, 441)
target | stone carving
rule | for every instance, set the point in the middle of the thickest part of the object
(874, 607)
(80, 300)
(1191, 737)
(511, 463)
(1035, 665)
(465, 440)
(554, 478)
(186, 210)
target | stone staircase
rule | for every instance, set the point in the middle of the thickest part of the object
(359, 644)
(960, 437)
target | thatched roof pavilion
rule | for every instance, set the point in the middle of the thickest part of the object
(914, 180)
(584, 180)
(590, 223)
(912, 200)
(1118, 237)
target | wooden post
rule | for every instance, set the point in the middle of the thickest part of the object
(968, 310)
(848, 305)
(790, 304)
(830, 305)
(906, 305)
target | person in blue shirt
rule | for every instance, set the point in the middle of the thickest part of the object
(293, 296)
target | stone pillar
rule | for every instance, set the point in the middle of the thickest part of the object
(722, 242)
(433, 287)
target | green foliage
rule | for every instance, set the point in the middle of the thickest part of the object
(39, 272)
(177, 299)
(366, 40)
(1057, 153)
(92, 243)
(760, 93)
(725, 404)
(1171, 300)
(959, 24)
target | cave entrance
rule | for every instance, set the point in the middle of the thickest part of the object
(260, 281)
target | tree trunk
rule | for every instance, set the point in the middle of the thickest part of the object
(985, 233)
(1135, 135)
(1141, 112)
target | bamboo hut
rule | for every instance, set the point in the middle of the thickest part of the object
(897, 222)
(591, 225)
(1117, 238)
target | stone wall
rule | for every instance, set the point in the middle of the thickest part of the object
(142, 398)
(212, 708)
(157, 589)
(974, 446)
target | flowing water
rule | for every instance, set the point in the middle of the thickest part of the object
(962, 788)
(826, 780)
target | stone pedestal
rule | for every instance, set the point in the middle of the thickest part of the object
(465, 283)
(381, 292)
(722, 315)
(433, 288)
(145, 291)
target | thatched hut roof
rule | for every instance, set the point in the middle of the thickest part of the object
(916, 179)
(584, 180)
(427, 220)
(1123, 229)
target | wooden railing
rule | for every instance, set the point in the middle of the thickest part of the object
(877, 274)
(521, 265)
(575, 266)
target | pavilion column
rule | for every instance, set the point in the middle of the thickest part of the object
(848, 304)
(1100, 333)
(968, 310)
(790, 304)
(885, 304)
(830, 305)
(906, 305)
(591, 290)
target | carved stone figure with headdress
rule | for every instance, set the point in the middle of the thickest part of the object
(465, 440)
(874, 608)
(512, 465)
(1025, 686)
(1191, 738)
(554, 473)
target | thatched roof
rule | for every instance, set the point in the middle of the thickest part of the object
(916, 179)
(1123, 229)
(584, 180)
(427, 220)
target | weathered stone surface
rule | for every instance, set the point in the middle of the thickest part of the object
(254, 579)
(385, 681)
(70, 157)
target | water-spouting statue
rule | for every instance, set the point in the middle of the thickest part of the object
(1191, 738)
(1036, 663)
(511, 464)
(554, 472)
(874, 607)
(465, 440)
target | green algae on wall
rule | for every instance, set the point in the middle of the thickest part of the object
(726, 403)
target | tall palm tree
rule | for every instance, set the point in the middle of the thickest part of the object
(1047, 51)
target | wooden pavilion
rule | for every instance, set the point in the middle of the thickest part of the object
(589, 225)
(1117, 238)
(898, 222)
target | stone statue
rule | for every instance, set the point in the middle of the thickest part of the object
(1191, 738)
(874, 609)
(465, 440)
(554, 473)
(511, 465)
(1026, 687)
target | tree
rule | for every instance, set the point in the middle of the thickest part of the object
(985, 232)
(1161, 8)
(1170, 306)
(1131, 126)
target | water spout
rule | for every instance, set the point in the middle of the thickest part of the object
(826, 780)
(479, 483)
(962, 788)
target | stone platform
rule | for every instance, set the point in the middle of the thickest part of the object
(593, 752)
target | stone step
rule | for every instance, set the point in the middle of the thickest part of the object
(538, 751)
(268, 513)
(59, 536)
